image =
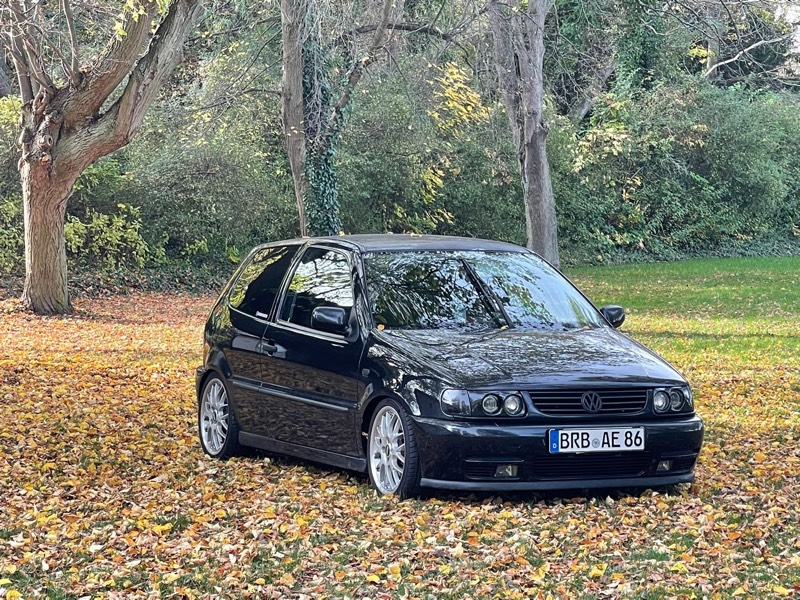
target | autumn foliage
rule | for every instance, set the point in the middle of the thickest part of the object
(106, 493)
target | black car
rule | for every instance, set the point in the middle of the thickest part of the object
(437, 362)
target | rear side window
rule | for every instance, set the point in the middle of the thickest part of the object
(259, 283)
(322, 279)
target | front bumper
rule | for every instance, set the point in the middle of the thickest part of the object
(464, 455)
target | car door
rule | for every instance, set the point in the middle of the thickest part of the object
(250, 303)
(310, 378)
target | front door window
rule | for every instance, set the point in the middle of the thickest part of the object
(322, 279)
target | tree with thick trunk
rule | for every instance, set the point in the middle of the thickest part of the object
(312, 117)
(66, 127)
(293, 14)
(518, 33)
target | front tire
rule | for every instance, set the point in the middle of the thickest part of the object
(219, 430)
(392, 455)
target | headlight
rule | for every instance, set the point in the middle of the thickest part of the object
(512, 405)
(455, 403)
(462, 403)
(660, 400)
(491, 404)
(674, 399)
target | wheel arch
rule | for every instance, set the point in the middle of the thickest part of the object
(366, 418)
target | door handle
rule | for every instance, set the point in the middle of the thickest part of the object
(267, 347)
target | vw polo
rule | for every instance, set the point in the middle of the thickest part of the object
(441, 362)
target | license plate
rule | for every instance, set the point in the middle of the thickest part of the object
(596, 440)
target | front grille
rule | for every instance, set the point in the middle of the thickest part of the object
(567, 402)
(590, 466)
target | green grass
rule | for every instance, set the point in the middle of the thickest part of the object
(749, 288)
(747, 309)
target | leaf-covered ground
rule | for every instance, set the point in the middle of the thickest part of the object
(105, 492)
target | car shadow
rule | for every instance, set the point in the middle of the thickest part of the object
(570, 497)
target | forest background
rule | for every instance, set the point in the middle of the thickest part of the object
(673, 131)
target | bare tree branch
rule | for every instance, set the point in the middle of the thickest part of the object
(29, 47)
(409, 27)
(74, 73)
(357, 69)
(116, 127)
(21, 67)
(745, 51)
(113, 67)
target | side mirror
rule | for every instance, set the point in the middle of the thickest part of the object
(615, 315)
(331, 319)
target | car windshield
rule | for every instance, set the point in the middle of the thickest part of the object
(472, 290)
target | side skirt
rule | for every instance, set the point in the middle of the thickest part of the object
(353, 463)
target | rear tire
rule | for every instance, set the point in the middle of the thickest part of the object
(392, 454)
(219, 431)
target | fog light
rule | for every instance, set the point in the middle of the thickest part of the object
(664, 465)
(505, 471)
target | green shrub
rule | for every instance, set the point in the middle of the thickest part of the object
(11, 234)
(203, 190)
(684, 169)
(111, 241)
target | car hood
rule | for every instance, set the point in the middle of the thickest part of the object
(533, 358)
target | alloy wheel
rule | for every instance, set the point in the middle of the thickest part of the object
(387, 450)
(214, 417)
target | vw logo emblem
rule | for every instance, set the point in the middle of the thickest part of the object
(591, 402)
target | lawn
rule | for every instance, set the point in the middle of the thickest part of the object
(105, 492)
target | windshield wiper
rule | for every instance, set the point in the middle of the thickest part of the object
(489, 299)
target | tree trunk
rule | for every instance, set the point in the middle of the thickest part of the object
(540, 206)
(45, 203)
(519, 58)
(292, 13)
(45, 191)
(64, 129)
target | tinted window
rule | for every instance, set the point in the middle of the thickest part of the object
(472, 290)
(322, 279)
(260, 280)
(533, 294)
(424, 290)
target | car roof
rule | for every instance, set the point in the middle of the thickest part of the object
(397, 242)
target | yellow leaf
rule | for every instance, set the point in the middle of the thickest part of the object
(445, 569)
(780, 590)
(260, 581)
(598, 570)
(13, 595)
(540, 573)
(739, 591)
(339, 575)
(679, 567)
(373, 578)
(394, 569)
(5, 581)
